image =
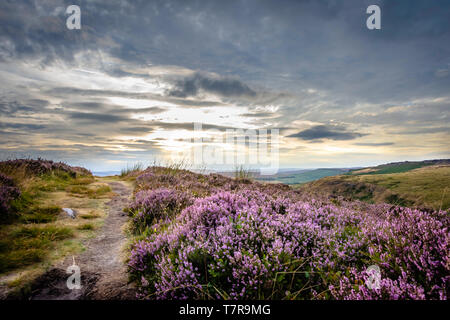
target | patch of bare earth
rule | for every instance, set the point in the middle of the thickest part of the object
(103, 271)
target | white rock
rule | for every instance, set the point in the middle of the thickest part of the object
(71, 213)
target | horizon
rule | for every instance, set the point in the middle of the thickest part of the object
(129, 85)
(285, 169)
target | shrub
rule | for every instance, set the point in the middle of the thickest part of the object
(160, 204)
(253, 241)
(8, 193)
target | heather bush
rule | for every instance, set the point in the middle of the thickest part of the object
(40, 167)
(150, 206)
(254, 241)
(8, 193)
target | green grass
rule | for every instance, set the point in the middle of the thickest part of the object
(393, 168)
(86, 226)
(425, 187)
(89, 216)
(41, 214)
(91, 192)
(137, 167)
(30, 238)
(24, 246)
(242, 173)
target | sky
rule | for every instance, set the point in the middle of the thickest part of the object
(130, 84)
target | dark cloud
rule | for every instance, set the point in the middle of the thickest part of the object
(23, 126)
(258, 115)
(96, 117)
(331, 132)
(374, 144)
(71, 91)
(192, 85)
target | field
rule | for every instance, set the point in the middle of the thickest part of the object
(415, 185)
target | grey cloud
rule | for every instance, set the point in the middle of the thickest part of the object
(258, 115)
(96, 117)
(112, 108)
(192, 85)
(23, 126)
(137, 130)
(190, 103)
(326, 132)
(374, 144)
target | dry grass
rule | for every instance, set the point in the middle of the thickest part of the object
(426, 187)
(43, 234)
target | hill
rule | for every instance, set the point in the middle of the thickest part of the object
(424, 184)
(209, 236)
(301, 176)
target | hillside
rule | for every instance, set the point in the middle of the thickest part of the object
(416, 184)
(208, 237)
(399, 167)
(300, 176)
(35, 231)
(169, 233)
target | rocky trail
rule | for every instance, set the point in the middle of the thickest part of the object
(102, 269)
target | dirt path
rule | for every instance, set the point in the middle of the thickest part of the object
(103, 273)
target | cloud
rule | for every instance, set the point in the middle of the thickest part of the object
(258, 115)
(25, 126)
(303, 61)
(96, 117)
(72, 91)
(192, 85)
(374, 144)
(331, 132)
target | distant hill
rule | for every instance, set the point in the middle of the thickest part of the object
(424, 184)
(300, 176)
(398, 167)
(105, 173)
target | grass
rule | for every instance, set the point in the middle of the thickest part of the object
(391, 168)
(40, 233)
(89, 216)
(24, 246)
(86, 226)
(130, 170)
(93, 192)
(425, 187)
(242, 173)
(41, 214)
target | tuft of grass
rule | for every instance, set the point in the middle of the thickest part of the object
(242, 173)
(129, 170)
(50, 233)
(86, 226)
(89, 216)
(90, 192)
(41, 214)
(24, 246)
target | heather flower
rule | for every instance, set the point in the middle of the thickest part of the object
(231, 240)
